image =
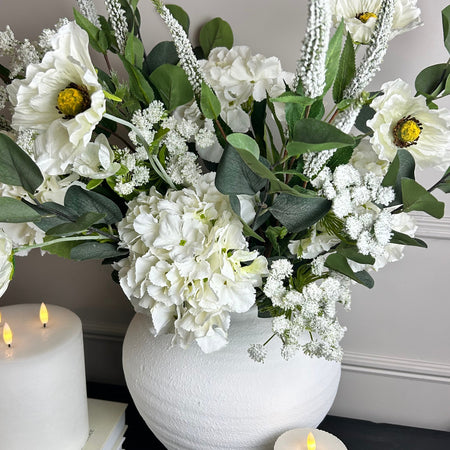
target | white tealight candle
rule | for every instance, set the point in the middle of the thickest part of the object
(42, 381)
(297, 439)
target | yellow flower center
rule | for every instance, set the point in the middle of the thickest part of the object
(407, 132)
(365, 16)
(73, 100)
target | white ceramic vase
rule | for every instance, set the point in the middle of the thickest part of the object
(224, 400)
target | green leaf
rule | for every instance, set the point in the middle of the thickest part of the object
(139, 86)
(15, 211)
(431, 81)
(97, 38)
(446, 26)
(340, 156)
(274, 234)
(250, 232)
(234, 177)
(95, 250)
(173, 85)
(417, 198)
(340, 264)
(243, 142)
(365, 114)
(81, 224)
(403, 166)
(333, 53)
(16, 167)
(296, 213)
(180, 16)
(81, 201)
(215, 33)
(93, 184)
(404, 239)
(162, 53)
(61, 249)
(444, 182)
(313, 135)
(351, 252)
(209, 103)
(134, 50)
(53, 214)
(289, 97)
(346, 70)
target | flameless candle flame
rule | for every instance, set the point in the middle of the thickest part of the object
(7, 335)
(311, 442)
(43, 314)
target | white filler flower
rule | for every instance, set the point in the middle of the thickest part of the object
(404, 121)
(61, 99)
(189, 264)
(6, 264)
(360, 17)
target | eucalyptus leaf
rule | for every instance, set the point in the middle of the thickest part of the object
(244, 142)
(180, 15)
(417, 198)
(16, 167)
(446, 26)
(313, 135)
(339, 263)
(82, 201)
(134, 50)
(346, 70)
(402, 166)
(209, 103)
(95, 250)
(81, 224)
(234, 177)
(404, 239)
(215, 33)
(162, 53)
(53, 214)
(364, 115)
(61, 249)
(296, 213)
(431, 81)
(15, 211)
(97, 37)
(351, 252)
(173, 85)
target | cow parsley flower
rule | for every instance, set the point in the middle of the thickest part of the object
(404, 121)
(360, 17)
(61, 99)
(189, 264)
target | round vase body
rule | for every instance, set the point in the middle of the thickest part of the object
(224, 400)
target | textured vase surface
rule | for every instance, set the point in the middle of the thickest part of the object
(224, 400)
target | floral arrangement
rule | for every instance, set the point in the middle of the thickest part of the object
(211, 179)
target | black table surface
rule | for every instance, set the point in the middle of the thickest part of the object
(355, 434)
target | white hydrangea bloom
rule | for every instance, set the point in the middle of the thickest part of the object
(404, 121)
(360, 17)
(237, 76)
(6, 262)
(186, 265)
(65, 79)
(365, 160)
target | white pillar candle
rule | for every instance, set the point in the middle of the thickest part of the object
(43, 401)
(297, 440)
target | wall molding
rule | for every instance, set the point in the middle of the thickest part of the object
(413, 369)
(429, 227)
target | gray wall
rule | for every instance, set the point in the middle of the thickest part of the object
(397, 361)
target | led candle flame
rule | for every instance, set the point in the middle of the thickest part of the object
(43, 314)
(7, 334)
(311, 442)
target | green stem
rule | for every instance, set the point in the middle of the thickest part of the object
(54, 241)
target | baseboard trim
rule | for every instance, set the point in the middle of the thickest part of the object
(429, 227)
(396, 367)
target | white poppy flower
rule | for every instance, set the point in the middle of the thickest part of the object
(96, 161)
(189, 263)
(360, 17)
(404, 121)
(6, 264)
(61, 99)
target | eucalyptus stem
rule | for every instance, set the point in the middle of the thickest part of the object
(54, 241)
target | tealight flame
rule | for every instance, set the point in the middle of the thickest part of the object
(7, 334)
(311, 442)
(43, 314)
